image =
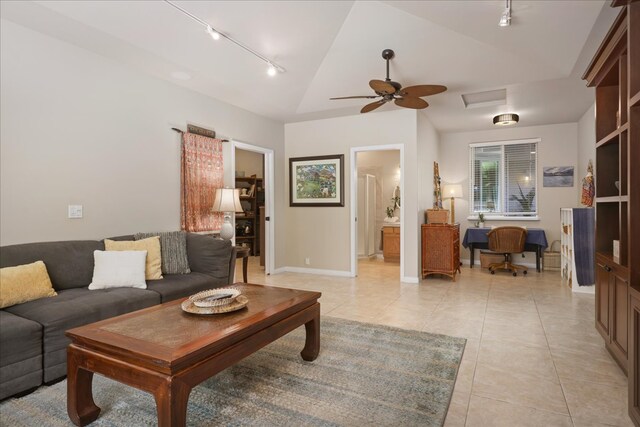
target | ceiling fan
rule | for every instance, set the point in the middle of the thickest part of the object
(387, 90)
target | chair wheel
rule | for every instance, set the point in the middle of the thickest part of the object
(515, 274)
(524, 272)
(493, 272)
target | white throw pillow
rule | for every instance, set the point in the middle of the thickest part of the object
(119, 269)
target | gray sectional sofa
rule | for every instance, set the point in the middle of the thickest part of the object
(32, 341)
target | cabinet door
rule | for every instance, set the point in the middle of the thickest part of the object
(634, 358)
(619, 317)
(602, 300)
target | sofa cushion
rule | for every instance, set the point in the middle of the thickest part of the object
(175, 286)
(209, 256)
(173, 247)
(20, 354)
(69, 264)
(153, 265)
(77, 307)
(24, 283)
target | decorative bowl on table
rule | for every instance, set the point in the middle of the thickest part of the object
(214, 297)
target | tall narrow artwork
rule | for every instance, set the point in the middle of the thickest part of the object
(437, 190)
(316, 181)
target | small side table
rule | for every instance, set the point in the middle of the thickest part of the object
(243, 252)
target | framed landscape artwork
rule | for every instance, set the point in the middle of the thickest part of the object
(557, 176)
(316, 181)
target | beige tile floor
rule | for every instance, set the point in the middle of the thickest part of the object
(533, 356)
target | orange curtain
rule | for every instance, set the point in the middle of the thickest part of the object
(201, 174)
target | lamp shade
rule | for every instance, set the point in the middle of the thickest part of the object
(227, 200)
(452, 190)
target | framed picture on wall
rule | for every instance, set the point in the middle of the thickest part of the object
(557, 176)
(316, 181)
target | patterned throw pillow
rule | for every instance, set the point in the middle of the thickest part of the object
(173, 247)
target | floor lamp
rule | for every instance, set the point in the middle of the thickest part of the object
(454, 191)
(228, 201)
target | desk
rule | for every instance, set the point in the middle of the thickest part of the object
(243, 252)
(476, 238)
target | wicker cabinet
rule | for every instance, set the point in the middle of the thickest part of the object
(440, 249)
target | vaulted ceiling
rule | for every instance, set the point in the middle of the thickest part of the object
(333, 49)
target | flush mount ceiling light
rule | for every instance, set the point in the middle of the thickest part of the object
(505, 19)
(272, 68)
(506, 119)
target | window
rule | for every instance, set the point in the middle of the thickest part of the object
(503, 178)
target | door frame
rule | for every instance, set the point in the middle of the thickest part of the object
(354, 202)
(269, 197)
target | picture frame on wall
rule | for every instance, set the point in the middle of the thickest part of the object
(557, 176)
(316, 181)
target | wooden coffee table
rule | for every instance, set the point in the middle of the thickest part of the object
(167, 352)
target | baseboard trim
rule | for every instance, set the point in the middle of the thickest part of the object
(406, 279)
(317, 271)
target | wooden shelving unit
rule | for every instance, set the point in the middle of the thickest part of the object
(251, 217)
(615, 74)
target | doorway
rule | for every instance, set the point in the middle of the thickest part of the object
(253, 174)
(376, 204)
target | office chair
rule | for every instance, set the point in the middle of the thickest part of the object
(507, 240)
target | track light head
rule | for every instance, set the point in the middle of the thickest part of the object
(272, 71)
(213, 33)
(505, 19)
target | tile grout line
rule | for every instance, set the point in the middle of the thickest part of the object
(475, 366)
(555, 368)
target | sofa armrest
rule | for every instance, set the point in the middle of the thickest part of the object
(211, 256)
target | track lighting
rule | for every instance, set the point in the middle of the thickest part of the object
(217, 35)
(213, 33)
(505, 19)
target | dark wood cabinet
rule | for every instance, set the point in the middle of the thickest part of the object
(614, 72)
(440, 249)
(612, 308)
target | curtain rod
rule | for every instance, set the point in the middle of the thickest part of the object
(181, 132)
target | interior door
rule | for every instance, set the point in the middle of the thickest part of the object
(370, 246)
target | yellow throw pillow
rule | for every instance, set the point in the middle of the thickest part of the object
(24, 283)
(153, 265)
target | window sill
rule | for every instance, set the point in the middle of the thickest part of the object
(504, 218)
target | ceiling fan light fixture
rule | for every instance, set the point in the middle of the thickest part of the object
(506, 119)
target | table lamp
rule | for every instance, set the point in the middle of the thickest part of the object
(453, 191)
(227, 200)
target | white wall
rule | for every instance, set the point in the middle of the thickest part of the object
(558, 147)
(385, 166)
(323, 234)
(78, 128)
(250, 162)
(586, 143)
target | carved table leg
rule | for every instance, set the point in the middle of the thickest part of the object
(80, 405)
(171, 399)
(312, 342)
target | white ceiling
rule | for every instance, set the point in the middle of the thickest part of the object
(333, 49)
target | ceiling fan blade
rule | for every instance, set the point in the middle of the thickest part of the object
(382, 87)
(372, 106)
(411, 102)
(423, 90)
(355, 97)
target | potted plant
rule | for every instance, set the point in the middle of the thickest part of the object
(481, 220)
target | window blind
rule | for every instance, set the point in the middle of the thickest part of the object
(503, 178)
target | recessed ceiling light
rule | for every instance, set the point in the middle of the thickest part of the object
(181, 75)
(506, 119)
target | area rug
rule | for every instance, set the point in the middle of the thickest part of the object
(365, 375)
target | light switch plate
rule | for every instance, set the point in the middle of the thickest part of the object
(75, 211)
